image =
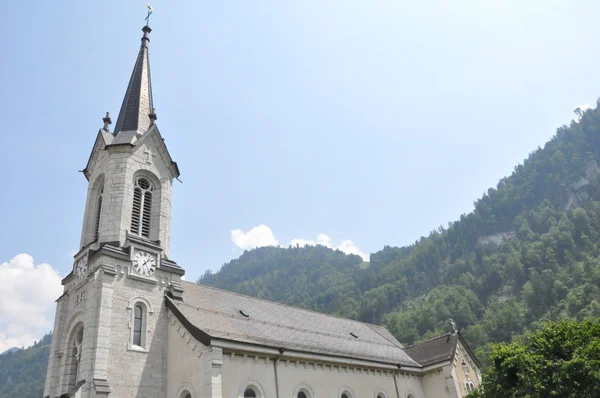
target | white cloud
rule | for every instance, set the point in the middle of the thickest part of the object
(346, 246)
(27, 301)
(263, 236)
(257, 237)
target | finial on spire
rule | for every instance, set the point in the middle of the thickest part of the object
(152, 117)
(134, 117)
(107, 122)
(150, 9)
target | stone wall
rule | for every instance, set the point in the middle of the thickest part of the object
(321, 380)
(185, 364)
(465, 369)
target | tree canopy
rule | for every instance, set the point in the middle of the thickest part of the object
(560, 360)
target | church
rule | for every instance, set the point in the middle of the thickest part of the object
(128, 326)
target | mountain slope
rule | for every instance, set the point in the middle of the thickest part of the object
(527, 252)
(22, 372)
(313, 277)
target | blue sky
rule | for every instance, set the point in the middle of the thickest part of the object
(366, 121)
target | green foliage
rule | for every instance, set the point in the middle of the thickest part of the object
(22, 372)
(312, 277)
(526, 254)
(560, 360)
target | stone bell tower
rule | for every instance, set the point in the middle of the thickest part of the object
(110, 325)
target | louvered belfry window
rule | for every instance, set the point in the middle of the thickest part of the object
(98, 212)
(142, 207)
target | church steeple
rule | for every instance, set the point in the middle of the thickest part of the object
(137, 111)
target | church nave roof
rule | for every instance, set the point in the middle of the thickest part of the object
(232, 316)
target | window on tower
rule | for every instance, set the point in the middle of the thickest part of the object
(98, 212)
(137, 325)
(142, 206)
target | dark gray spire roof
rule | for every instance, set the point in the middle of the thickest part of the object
(137, 111)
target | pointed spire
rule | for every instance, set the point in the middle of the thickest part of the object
(137, 111)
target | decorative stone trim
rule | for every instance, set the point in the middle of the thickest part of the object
(186, 387)
(142, 278)
(250, 383)
(379, 393)
(137, 299)
(346, 390)
(102, 386)
(109, 269)
(136, 348)
(306, 389)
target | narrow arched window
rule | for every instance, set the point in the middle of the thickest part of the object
(137, 325)
(301, 394)
(142, 207)
(250, 393)
(98, 212)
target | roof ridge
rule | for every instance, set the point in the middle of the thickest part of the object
(285, 305)
(428, 341)
(396, 342)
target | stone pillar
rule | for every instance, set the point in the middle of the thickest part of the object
(213, 387)
(452, 381)
(52, 379)
(101, 338)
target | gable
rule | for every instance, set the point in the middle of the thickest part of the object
(434, 351)
(103, 139)
(153, 140)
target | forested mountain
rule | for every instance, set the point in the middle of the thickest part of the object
(22, 372)
(528, 252)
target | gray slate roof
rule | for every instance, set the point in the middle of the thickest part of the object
(137, 105)
(431, 352)
(217, 313)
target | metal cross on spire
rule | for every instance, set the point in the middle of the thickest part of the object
(150, 9)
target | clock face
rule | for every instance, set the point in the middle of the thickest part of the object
(81, 267)
(144, 263)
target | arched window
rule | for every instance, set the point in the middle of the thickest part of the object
(142, 206)
(250, 393)
(73, 361)
(303, 391)
(186, 394)
(469, 385)
(380, 394)
(346, 394)
(250, 389)
(98, 212)
(137, 325)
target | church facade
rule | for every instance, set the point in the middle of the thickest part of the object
(127, 326)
